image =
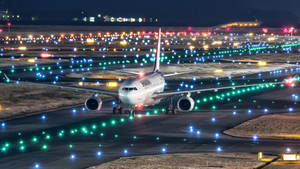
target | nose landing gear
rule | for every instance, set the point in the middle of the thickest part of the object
(132, 112)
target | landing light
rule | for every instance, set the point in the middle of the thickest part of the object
(141, 74)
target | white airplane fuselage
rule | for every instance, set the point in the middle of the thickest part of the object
(139, 91)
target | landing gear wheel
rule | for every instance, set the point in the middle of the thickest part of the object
(117, 109)
(120, 110)
(114, 110)
(174, 111)
(131, 114)
(170, 110)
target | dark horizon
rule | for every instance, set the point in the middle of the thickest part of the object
(192, 12)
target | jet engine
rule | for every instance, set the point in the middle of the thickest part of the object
(93, 103)
(185, 104)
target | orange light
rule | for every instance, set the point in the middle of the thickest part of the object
(192, 47)
(31, 60)
(45, 55)
(205, 47)
(90, 41)
(22, 48)
(272, 38)
(236, 44)
(123, 43)
(218, 70)
(112, 84)
(262, 63)
(217, 43)
(80, 83)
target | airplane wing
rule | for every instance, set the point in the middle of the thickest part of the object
(92, 90)
(130, 72)
(167, 94)
(165, 75)
(175, 74)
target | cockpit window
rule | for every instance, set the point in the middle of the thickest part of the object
(129, 88)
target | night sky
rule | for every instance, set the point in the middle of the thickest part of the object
(193, 12)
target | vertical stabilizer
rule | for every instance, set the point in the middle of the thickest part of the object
(157, 57)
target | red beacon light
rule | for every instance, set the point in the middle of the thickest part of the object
(265, 30)
(286, 29)
(290, 82)
(139, 107)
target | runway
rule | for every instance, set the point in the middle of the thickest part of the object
(146, 134)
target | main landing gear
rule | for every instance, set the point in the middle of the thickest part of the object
(171, 109)
(118, 109)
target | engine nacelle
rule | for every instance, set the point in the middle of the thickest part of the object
(185, 104)
(93, 103)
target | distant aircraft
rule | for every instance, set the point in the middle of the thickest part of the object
(146, 89)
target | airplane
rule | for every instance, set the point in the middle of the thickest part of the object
(147, 89)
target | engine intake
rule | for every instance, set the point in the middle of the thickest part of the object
(93, 103)
(185, 104)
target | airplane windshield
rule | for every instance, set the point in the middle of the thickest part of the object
(129, 89)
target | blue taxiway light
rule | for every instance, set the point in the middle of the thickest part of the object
(254, 138)
(72, 157)
(43, 117)
(3, 124)
(36, 166)
(99, 153)
(163, 150)
(219, 149)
